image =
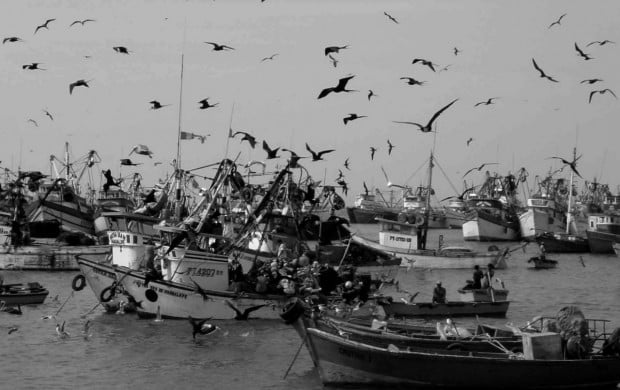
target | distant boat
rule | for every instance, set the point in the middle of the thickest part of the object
(490, 220)
(367, 207)
(603, 230)
(22, 294)
(542, 263)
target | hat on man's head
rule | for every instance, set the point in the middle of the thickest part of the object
(439, 282)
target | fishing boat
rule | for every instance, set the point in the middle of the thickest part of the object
(367, 207)
(22, 294)
(415, 206)
(603, 230)
(342, 361)
(542, 263)
(398, 309)
(456, 213)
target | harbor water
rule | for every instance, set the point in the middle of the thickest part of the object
(121, 351)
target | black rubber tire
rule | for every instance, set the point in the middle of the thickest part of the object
(78, 283)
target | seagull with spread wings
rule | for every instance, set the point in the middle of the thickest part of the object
(340, 87)
(478, 168)
(602, 91)
(246, 137)
(429, 126)
(44, 25)
(390, 147)
(271, 153)
(352, 117)
(243, 315)
(581, 53)
(601, 43)
(335, 49)
(424, 62)
(271, 57)
(542, 73)
(412, 81)
(557, 21)
(218, 47)
(487, 102)
(393, 19)
(79, 83)
(571, 164)
(316, 156)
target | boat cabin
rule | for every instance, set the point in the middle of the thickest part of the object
(609, 223)
(398, 235)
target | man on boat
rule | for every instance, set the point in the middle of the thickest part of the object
(477, 277)
(439, 293)
(543, 252)
(488, 276)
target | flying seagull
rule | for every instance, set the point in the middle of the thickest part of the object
(346, 164)
(141, 149)
(591, 81)
(246, 137)
(44, 25)
(352, 117)
(390, 17)
(456, 51)
(429, 126)
(218, 47)
(424, 62)
(121, 49)
(334, 60)
(271, 57)
(33, 122)
(478, 168)
(335, 49)
(600, 43)
(602, 91)
(557, 21)
(581, 53)
(155, 105)
(487, 102)
(542, 73)
(128, 162)
(571, 164)
(243, 316)
(469, 141)
(271, 153)
(412, 81)
(316, 156)
(372, 152)
(341, 87)
(12, 39)
(371, 94)
(201, 327)
(79, 83)
(48, 114)
(32, 66)
(344, 185)
(81, 22)
(390, 147)
(204, 104)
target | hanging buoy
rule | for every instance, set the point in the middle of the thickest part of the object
(78, 283)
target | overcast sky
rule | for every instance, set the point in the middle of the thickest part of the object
(276, 100)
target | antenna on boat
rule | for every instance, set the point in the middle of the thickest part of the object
(177, 165)
(232, 110)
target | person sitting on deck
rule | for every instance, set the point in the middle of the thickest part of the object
(487, 281)
(439, 293)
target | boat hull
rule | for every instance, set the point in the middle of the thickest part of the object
(100, 276)
(13, 295)
(359, 215)
(563, 243)
(601, 242)
(49, 257)
(480, 229)
(536, 220)
(448, 309)
(72, 216)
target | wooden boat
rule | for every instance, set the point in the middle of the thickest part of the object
(22, 294)
(490, 220)
(603, 230)
(563, 242)
(367, 207)
(346, 362)
(542, 263)
(398, 309)
(482, 294)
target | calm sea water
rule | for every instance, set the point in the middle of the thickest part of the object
(123, 351)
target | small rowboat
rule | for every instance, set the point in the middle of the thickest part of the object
(542, 263)
(23, 294)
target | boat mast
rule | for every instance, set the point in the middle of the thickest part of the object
(570, 196)
(177, 167)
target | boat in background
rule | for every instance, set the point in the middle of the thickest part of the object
(540, 263)
(367, 207)
(22, 294)
(603, 230)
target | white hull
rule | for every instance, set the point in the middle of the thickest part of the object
(536, 220)
(482, 230)
(49, 257)
(100, 276)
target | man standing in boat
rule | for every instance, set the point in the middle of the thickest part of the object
(439, 293)
(477, 277)
(543, 251)
(488, 276)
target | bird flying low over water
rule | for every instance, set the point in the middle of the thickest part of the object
(79, 83)
(412, 81)
(393, 19)
(243, 315)
(32, 66)
(487, 102)
(602, 91)
(293, 161)
(246, 137)
(591, 81)
(557, 21)
(352, 117)
(600, 43)
(316, 156)
(201, 327)
(581, 53)
(44, 25)
(542, 73)
(478, 168)
(335, 49)
(341, 87)
(204, 104)
(121, 49)
(141, 149)
(571, 164)
(82, 22)
(12, 39)
(218, 47)
(271, 153)
(429, 126)
(424, 62)
(155, 105)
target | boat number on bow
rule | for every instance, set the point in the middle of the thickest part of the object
(164, 291)
(204, 272)
(400, 239)
(116, 237)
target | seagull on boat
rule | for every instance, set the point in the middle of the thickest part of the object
(155, 105)
(393, 19)
(246, 137)
(487, 102)
(602, 91)
(218, 47)
(571, 164)
(412, 81)
(141, 149)
(581, 53)
(557, 21)
(243, 316)
(271, 153)
(335, 49)
(478, 168)
(201, 327)
(429, 126)
(352, 117)
(121, 49)
(542, 73)
(316, 156)
(79, 83)
(424, 62)
(341, 87)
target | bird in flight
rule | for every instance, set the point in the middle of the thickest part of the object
(293, 161)
(469, 141)
(365, 188)
(79, 83)
(218, 47)
(81, 22)
(48, 114)
(390, 147)
(460, 196)
(12, 39)
(129, 163)
(600, 43)
(412, 81)
(271, 153)
(201, 327)
(371, 94)
(340, 175)
(316, 156)
(429, 126)
(334, 60)
(344, 185)
(346, 164)
(155, 105)
(456, 51)
(110, 182)
(542, 73)
(44, 25)
(571, 164)
(478, 168)
(602, 91)
(33, 122)
(33, 66)
(121, 49)
(341, 87)
(591, 81)
(424, 62)
(373, 150)
(445, 68)
(141, 149)
(487, 102)
(246, 137)
(60, 331)
(243, 315)
(581, 53)
(557, 21)
(352, 117)
(271, 57)
(335, 49)
(393, 19)
(204, 104)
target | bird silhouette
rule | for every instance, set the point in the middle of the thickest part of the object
(141, 149)
(390, 147)
(79, 83)
(44, 25)
(346, 164)
(343, 184)
(12, 39)
(341, 87)
(393, 19)
(581, 53)
(316, 156)
(352, 117)
(128, 162)
(373, 150)
(412, 81)
(333, 60)
(13, 329)
(218, 47)
(121, 49)
(246, 137)
(542, 73)
(456, 51)
(445, 68)
(33, 122)
(243, 315)
(602, 91)
(487, 102)
(32, 66)
(557, 21)
(82, 22)
(110, 182)
(389, 183)
(459, 196)
(469, 141)
(204, 104)
(155, 105)
(429, 126)
(571, 164)
(340, 175)
(600, 43)
(201, 327)
(48, 114)
(591, 81)
(271, 153)
(335, 49)
(271, 57)
(365, 188)
(293, 161)
(478, 168)
(371, 94)
(424, 62)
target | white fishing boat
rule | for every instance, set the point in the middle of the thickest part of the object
(490, 220)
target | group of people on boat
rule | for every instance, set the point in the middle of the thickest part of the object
(480, 280)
